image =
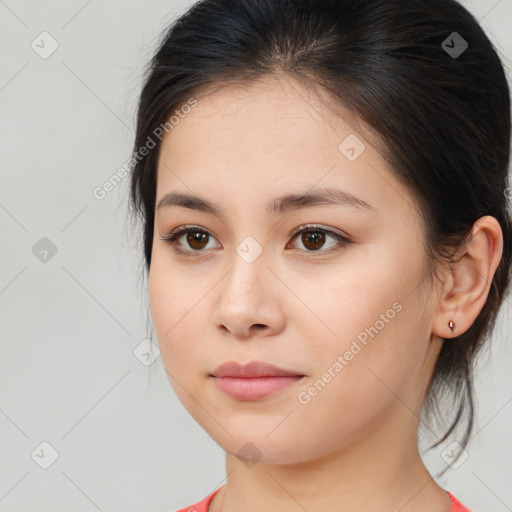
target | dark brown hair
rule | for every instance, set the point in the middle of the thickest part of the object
(443, 118)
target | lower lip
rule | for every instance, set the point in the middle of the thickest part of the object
(254, 388)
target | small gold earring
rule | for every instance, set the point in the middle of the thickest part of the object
(451, 325)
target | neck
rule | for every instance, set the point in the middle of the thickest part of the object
(380, 471)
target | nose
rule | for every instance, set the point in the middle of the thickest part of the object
(249, 298)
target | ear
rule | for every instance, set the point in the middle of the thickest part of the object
(469, 279)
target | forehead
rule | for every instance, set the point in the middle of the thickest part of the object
(271, 136)
(264, 107)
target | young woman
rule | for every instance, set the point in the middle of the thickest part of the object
(323, 190)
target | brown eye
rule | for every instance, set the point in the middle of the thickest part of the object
(313, 240)
(197, 239)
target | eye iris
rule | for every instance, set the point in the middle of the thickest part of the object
(316, 237)
(197, 237)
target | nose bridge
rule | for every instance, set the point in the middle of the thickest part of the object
(248, 266)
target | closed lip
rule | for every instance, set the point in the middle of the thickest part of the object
(252, 369)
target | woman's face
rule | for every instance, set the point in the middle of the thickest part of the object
(352, 318)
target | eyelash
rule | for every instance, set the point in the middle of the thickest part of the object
(173, 237)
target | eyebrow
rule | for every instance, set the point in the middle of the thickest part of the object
(280, 205)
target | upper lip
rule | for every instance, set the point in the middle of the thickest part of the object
(252, 369)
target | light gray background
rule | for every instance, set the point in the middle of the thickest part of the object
(69, 326)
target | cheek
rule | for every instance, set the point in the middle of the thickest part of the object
(179, 313)
(373, 342)
(354, 385)
(349, 304)
(176, 336)
(171, 313)
(170, 298)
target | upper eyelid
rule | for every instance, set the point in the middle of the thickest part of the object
(295, 231)
(311, 227)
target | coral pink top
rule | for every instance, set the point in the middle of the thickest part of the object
(202, 506)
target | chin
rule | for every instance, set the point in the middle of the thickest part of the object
(258, 448)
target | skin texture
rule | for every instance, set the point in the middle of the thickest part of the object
(300, 309)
